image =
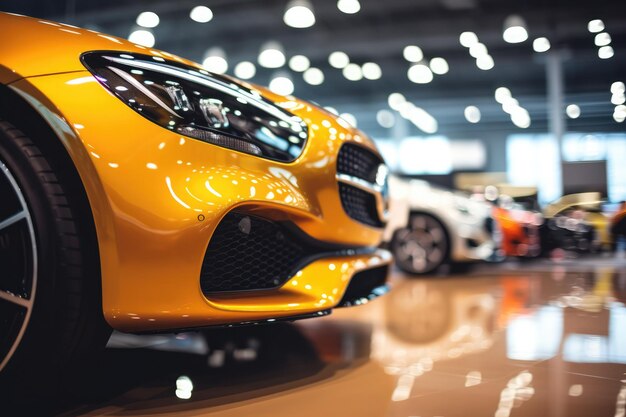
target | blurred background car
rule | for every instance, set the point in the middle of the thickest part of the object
(576, 223)
(430, 227)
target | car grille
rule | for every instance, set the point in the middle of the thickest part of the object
(248, 253)
(359, 203)
(358, 162)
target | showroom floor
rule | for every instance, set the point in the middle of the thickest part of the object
(529, 339)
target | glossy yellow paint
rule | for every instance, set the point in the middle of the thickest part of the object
(157, 196)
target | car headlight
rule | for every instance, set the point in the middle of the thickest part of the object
(199, 104)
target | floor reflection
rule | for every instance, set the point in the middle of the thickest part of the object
(536, 340)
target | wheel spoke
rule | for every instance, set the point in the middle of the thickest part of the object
(14, 299)
(13, 219)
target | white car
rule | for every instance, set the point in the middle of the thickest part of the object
(429, 227)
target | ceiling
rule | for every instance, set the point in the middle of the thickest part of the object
(378, 33)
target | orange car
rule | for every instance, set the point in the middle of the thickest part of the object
(142, 193)
(520, 230)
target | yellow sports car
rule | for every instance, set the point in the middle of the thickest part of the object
(141, 193)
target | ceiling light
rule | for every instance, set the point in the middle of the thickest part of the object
(605, 52)
(299, 14)
(541, 45)
(439, 66)
(271, 55)
(281, 84)
(595, 26)
(215, 61)
(618, 99)
(245, 70)
(352, 72)
(313, 76)
(338, 59)
(521, 118)
(396, 100)
(620, 113)
(142, 37)
(348, 117)
(485, 62)
(385, 118)
(514, 29)
(502, 94)
(201, 14)
(299, 63)
(511, 106)
(413, 53)
(468, 39)
(423, 120)
(148, 19)
(420, 74)
(478, 49)
(602, 39)
(371, 71)
(349, 6)
(472, 114)
(618, 87)
(572, 111)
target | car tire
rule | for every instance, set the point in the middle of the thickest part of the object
(51, 318)
(422, 247)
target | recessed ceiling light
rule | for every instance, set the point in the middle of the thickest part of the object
(468, 39)
(478, 49)
(352, 72)
(271, 55)
(605, 52)
(572, 111)
(514, 29)
(371, 71)
(201, 14)
(618, 87)
(215, 61)
(338, 59)
(313, 76)
(349, 6)
(485, 62)
(245, 70)
(395, 100)
(142, 37)
(472, 114)
(299, 63)
(148, 19)
(502, 94)
(439, 66)
(595, 26)
(413, 53)
(541, 44)
(281, 84)
(602, 39)
(299, 14)
(420, 74)
(385, 118)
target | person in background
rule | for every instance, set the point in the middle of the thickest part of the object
(618, 229)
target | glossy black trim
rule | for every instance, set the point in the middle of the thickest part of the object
(244, 323)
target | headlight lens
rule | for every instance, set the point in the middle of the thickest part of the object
(199, 104)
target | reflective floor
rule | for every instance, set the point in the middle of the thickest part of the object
(529, 339)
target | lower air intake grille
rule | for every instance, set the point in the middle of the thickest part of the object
(360, 205)
(250, 253)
